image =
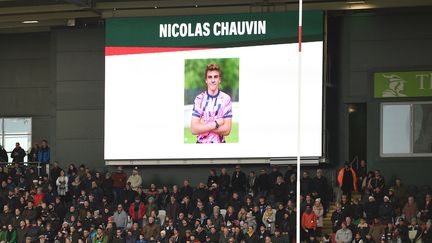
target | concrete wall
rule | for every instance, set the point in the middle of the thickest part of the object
(27, 88)
(365, 42)
(79, 79)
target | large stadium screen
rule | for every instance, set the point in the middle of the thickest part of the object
(212, 87)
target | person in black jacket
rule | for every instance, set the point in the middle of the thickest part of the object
(263, 183)
(224, 181)
(3, 154)
(18, 153)
(212, 178)
(238, 181)
(320, 185)
(274, 175)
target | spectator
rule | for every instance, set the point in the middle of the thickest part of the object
(376, 186)
(108, 187)
(3, 154)
(289, 172)
(62, 184)
(164, 197)
(376, 230)
(100, 237)
(252, 185)
(200, 193)
(386, 211)
(427, 233)
(120, 217)
(118, 238)
(402, 230)
(361, 172)
(343, 235)
(337, 218)
(371, 209)
(389, 234)
(55, 172)
(135, 179)
(44, 153)
(224, 180)
(269, 219)
(172, 208)
(18, 153)
(280, 191)
(186, 190)
(410, 210)
(9, 235)
(347, 180)
(363, 228)
(274, 175)
(262, 234)
(151, 206)
(119, 179)
(308, 222)
(320, 185)
(305, 184)
(212, 178)
(250, 236)
(414, 231)
(137, 210)
(225, 235)
(319, 212)
(151, 229)
(235, 202)
(426, 209)
(238, 181)
(400, 193)
(263, 183)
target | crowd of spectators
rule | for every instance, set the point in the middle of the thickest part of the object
(381, 212)
(80, 205)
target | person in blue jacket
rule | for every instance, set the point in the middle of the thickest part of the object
(44, 156)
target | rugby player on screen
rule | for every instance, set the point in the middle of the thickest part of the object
(212, 112)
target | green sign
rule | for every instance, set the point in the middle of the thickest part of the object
(403, 84)
(213, 30)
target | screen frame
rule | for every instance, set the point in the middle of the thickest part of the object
(307, 160)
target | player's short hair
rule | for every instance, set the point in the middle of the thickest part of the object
(213, 67)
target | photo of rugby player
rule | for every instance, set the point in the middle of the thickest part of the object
(211, 117)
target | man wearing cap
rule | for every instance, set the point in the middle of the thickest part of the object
(371, 209)
(376, 186)
(386, 211)
(135, 179)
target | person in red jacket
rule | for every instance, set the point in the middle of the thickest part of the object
(38, 197)
(119, 179)
(137, 210)
(308, 222)
(347, 179)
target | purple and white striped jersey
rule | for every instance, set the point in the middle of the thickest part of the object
(209, 108)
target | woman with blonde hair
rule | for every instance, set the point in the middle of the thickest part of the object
(319, 212)
(269, 219)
